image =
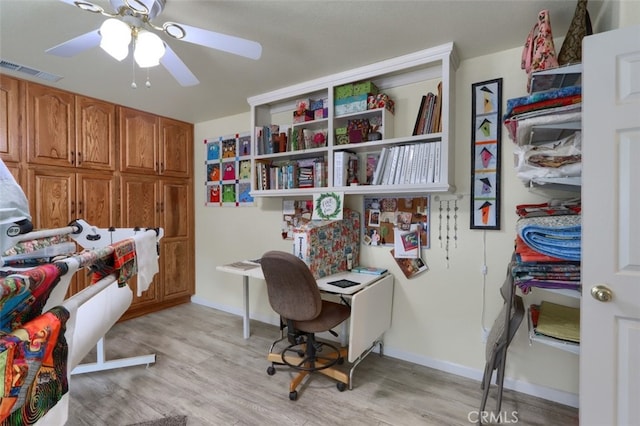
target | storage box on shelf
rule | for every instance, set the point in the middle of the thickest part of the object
(403, 79)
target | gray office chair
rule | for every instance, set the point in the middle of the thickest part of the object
(500, 336)
(294, 295)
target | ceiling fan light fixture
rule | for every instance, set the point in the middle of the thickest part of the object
(89, 7)
(149, 49)
(174, 30)
(115, 38)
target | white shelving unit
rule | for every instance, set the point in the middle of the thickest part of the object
(396, 76)
(549, 341)
(555, 78)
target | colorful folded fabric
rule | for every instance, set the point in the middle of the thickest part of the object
(557, 236)
(540, 97)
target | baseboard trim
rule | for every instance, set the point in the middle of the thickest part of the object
(555, 395)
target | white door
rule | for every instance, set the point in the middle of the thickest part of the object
(610, 330)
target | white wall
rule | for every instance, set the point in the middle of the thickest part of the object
(438, 316)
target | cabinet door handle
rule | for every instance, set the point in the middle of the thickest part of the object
(79, 207)
(162, 207)
(161, 167)
(79, 161)
(73, 209)
(158, 207)
(73, 157)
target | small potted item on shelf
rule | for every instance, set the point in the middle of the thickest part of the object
(374, 134)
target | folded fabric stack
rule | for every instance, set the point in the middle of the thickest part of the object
(547, 247)
(545, 127)
(549, 107)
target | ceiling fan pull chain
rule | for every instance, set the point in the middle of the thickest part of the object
(148, 82)
(133, 73)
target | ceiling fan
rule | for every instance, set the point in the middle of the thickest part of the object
(131, 21)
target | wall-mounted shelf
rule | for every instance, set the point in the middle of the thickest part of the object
(394, 77)
(550, 341)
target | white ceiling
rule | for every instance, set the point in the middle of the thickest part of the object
(301, 40)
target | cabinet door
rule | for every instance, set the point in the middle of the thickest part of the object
(176, 249)
(176, 141)
(96, 204)
(140, 207)
(138, 141)
(51, 197)
(95, 134)
(11, 118)
(50, 126)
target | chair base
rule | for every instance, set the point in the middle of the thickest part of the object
(320, 366)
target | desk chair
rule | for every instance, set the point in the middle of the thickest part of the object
(294, 295)
(500, 336)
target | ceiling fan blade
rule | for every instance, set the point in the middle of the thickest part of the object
(177, 68)
(76, 45)
(236, 45)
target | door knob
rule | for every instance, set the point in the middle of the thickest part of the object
(602, 293)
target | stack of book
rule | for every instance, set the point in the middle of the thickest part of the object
(429, 113)
(408, 165)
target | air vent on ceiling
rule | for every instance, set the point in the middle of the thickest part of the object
(30, 71)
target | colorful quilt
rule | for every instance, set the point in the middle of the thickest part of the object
(33, 368)
(557, 236)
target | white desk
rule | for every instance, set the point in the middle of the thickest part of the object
(370, 301)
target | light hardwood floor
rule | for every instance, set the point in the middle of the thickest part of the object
(206, 370)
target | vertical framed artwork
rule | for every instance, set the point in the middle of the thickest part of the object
(228, 169)
(486, 129)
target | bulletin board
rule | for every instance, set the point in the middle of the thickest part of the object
(383, 215)
(228, 171)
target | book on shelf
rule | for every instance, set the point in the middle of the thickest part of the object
(437, 126)
(341, 161)
(379, 171)
(319, 173)
(369, 270)
(372, 163)
(431, 102)
(416, 127)
(436, 163)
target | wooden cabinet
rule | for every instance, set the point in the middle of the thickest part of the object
(176, 148)
(140, 206)
(95, 134)
(79, 157)
(177, 246)
(64, 129)
(57, 197)
(50, 126)
(166, 203)
(12, 123)
(154, 145)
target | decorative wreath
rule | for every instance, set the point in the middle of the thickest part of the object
(327, 210)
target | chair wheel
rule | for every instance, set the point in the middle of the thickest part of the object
(293, 395)
(271, 370)
(341, 386)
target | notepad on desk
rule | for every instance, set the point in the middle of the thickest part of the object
(343, 283)
(369, 270)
